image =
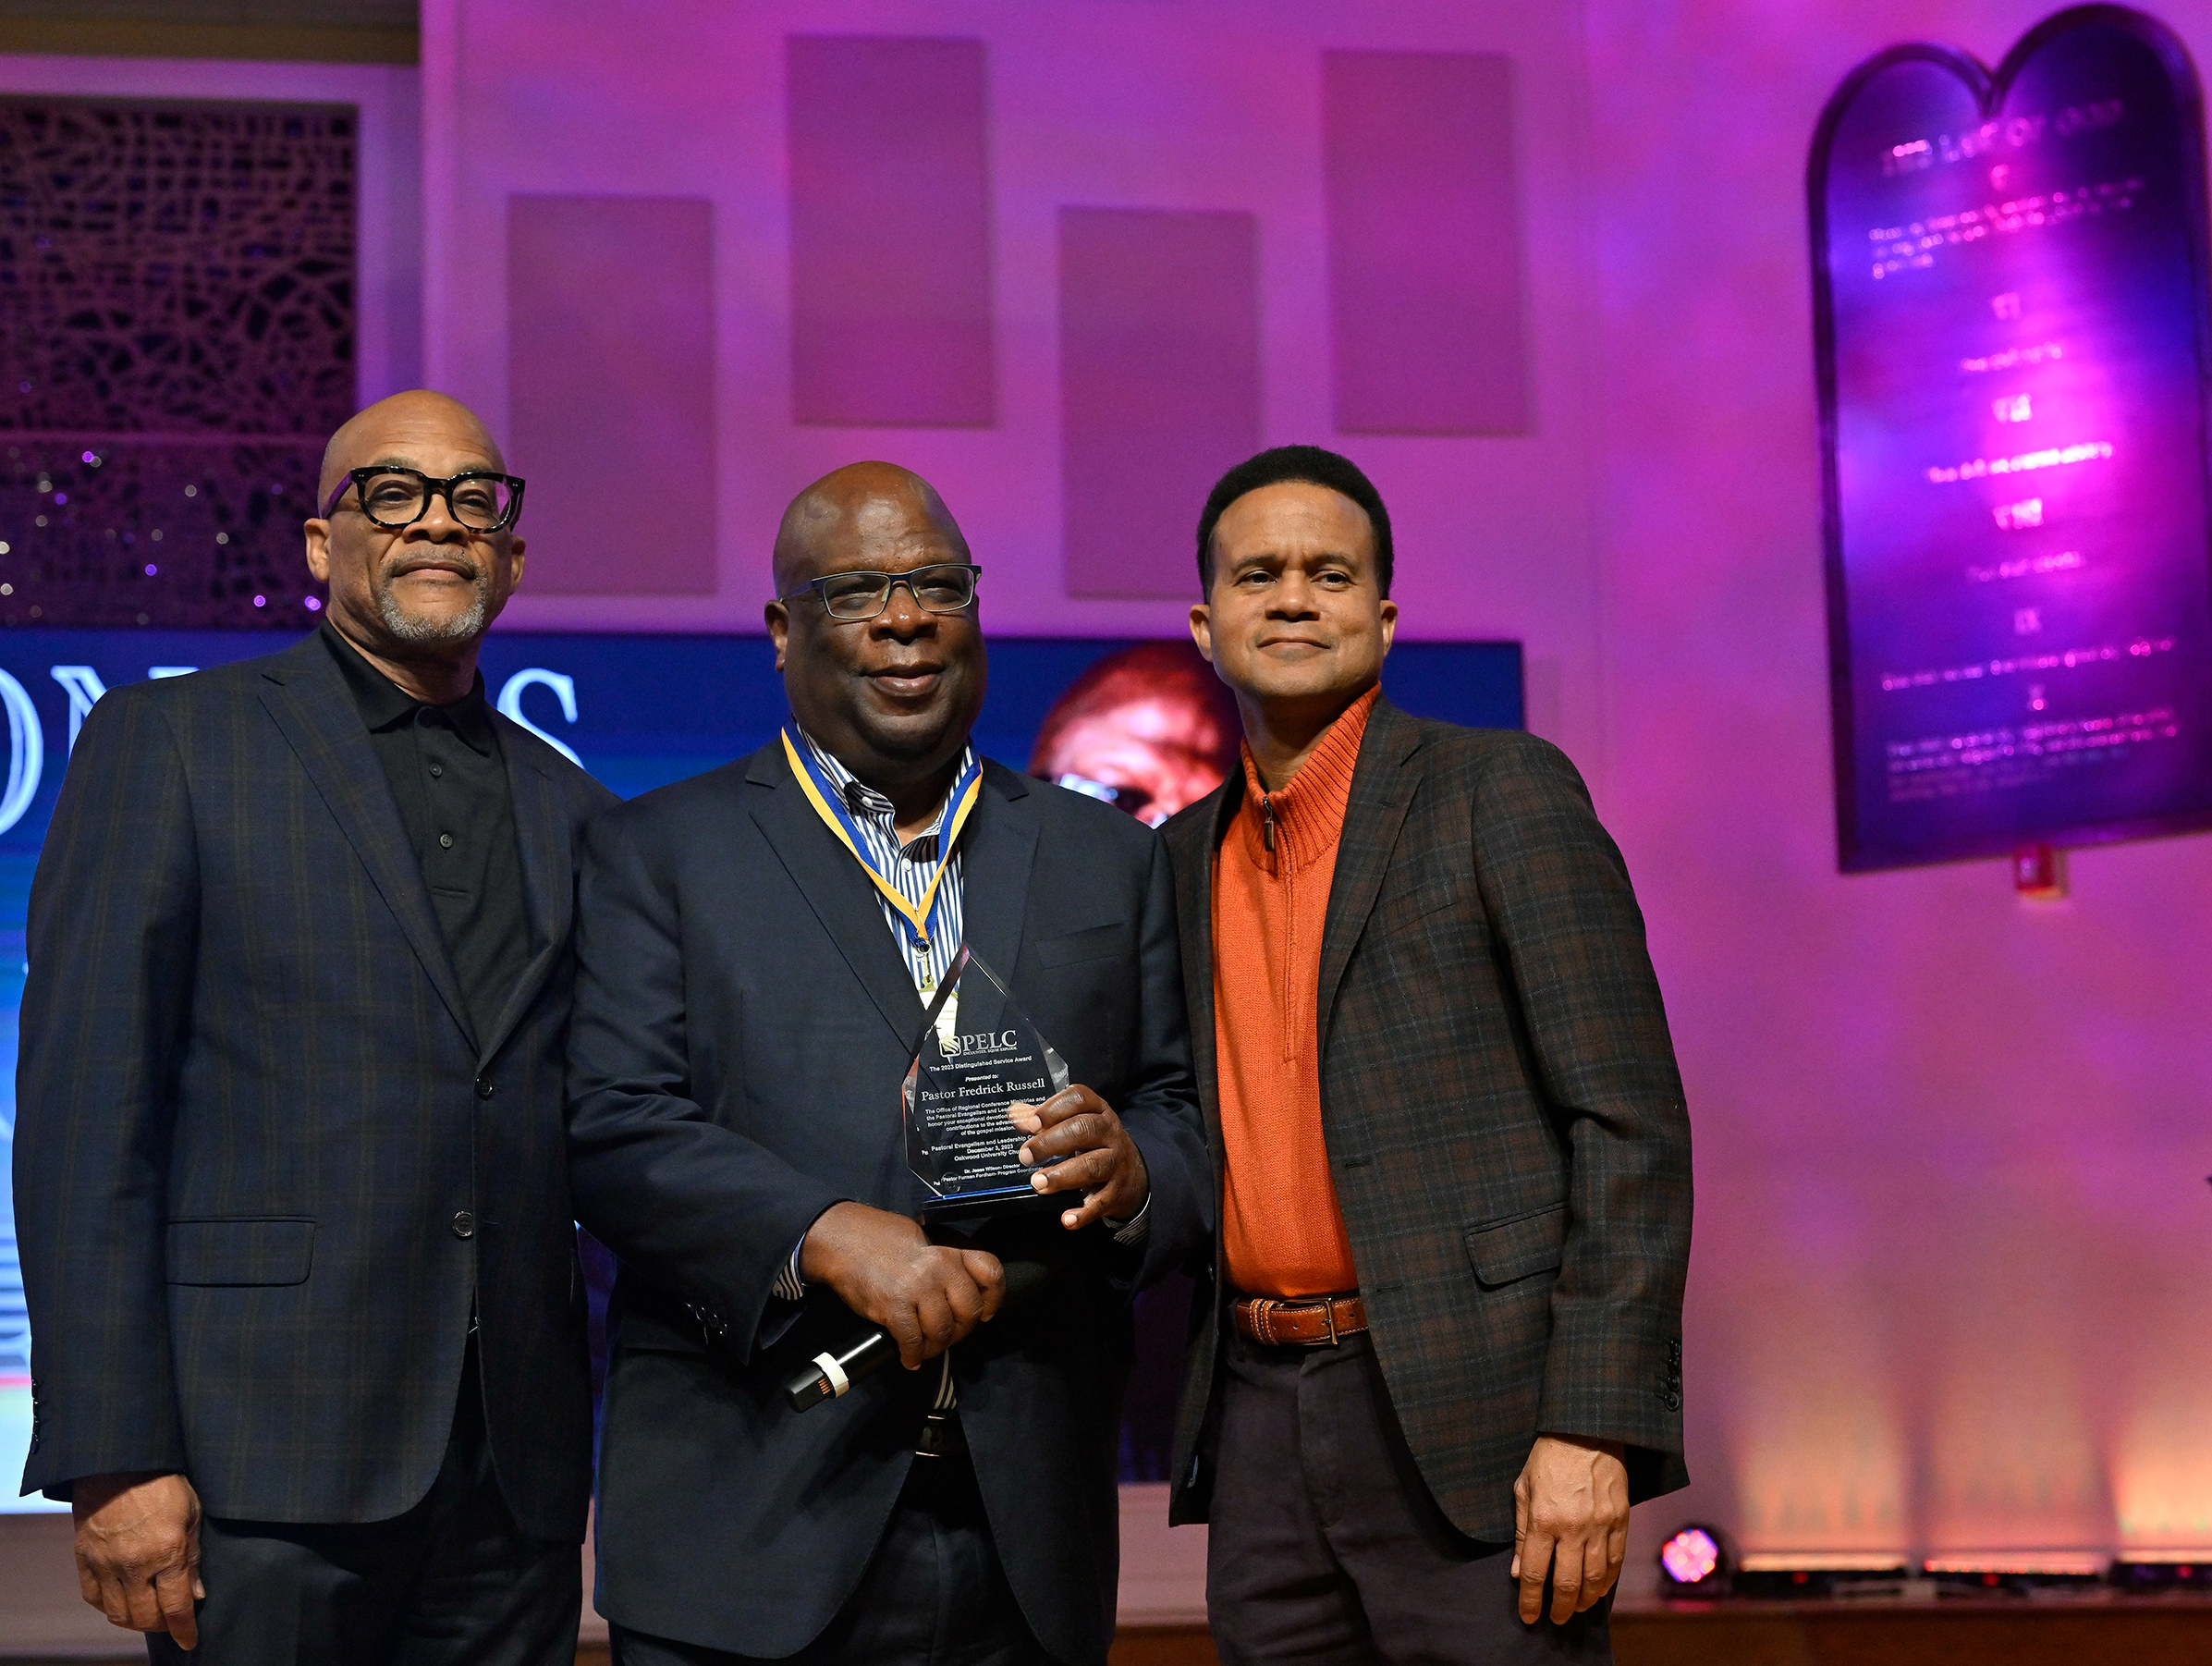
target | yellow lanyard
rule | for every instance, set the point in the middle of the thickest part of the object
(916, 917)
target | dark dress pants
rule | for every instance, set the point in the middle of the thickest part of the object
(1325, 1545)
(934, 1595)
(451, 1583)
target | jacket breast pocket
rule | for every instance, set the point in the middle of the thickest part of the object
(1091, 943)
(1502, 1252)
(279, 1250)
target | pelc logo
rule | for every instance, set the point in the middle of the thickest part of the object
(985, 1043)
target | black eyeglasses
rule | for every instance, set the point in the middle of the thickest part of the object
(397, 498)
(946, 588)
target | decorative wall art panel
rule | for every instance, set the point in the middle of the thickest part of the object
(610, 330)
(890, 231)
(177, 341)
(2010, 301)
(1425, 304)
(1159, 387)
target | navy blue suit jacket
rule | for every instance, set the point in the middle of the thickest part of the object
(743, 1022)
(251, 1111)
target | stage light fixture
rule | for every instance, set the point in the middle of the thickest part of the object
(2189, 1571)
(2018, 1573)
(1794, 1574)
(1696, 1561)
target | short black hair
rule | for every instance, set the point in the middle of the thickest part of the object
(1315, 467)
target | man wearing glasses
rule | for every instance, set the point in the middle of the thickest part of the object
(307, 1322)
(749, 999)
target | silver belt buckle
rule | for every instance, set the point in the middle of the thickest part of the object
(937, 1437)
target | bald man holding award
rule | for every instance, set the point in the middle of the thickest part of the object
(879, 1054)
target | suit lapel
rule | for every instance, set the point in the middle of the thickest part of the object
(1382, 787)
(548, 881)
(1199, 843)
(1000, 847)
(307, 696)
(836, 889)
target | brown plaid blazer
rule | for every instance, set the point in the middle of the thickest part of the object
(1503, 1117)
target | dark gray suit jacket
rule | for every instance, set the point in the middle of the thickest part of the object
(743, 1023)
(253, 1123)
(1503, 1117)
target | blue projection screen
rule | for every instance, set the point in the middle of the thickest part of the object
(2009, 277)
(636, 711)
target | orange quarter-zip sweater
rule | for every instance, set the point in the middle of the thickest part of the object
(1282, 1234)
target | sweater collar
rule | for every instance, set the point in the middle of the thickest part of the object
(1308, 810)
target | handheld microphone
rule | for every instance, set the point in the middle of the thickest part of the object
(831, 1373)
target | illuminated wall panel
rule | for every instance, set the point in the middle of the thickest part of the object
(1159, 387)
(1425, 243)
(2013, 357)
(890, 232)
(611, 392)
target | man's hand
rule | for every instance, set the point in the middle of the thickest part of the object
(927, 1295)
(1078, 1133)
(138, 1552)
(1572, 1498)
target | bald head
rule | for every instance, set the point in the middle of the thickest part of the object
(870, 504)
(384, 432)
(894, 694)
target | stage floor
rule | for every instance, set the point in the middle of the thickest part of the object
(2074, 1631)
(2133, 1631)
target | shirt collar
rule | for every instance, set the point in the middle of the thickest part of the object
(864, 800)
(383, 704)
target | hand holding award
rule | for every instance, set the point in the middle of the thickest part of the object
(993, 1124)
(1079, 1144)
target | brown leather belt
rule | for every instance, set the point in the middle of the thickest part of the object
(1323, 1319)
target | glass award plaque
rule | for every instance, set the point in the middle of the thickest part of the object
(979, 1057)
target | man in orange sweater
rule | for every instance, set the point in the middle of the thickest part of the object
(1441, 1352)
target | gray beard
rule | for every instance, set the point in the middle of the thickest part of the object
(407, 629)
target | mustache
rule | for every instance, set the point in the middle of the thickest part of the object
(466, 564)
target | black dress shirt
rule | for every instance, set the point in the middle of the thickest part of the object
(449, 781)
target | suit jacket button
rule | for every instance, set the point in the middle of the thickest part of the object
(484, 1089)
(464, 1225)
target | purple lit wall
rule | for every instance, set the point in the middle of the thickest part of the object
(1953, 1237)
(888, 184)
